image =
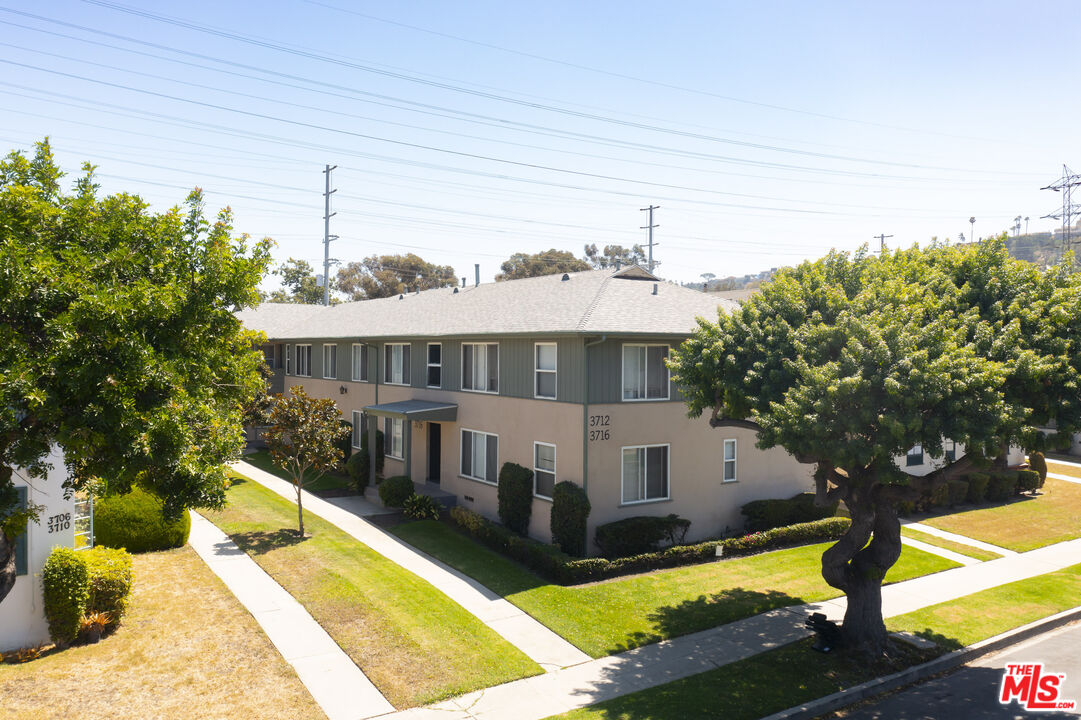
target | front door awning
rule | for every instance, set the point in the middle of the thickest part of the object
(419, 410)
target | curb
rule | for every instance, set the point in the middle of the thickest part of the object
(881, 685)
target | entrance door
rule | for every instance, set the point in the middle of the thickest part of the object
(434, 442)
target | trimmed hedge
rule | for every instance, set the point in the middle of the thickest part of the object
(359, 464)
(1028, 481)
(66, 583)
(421, 507)
(1002, 486)
(394, 491)
(570, 511)
(957, 491)
(768, 514)
(515, 495)
(640, 534)
(345, 443)
(110, 581)
(552, 563)
(134, 521)
(940, 496)
(977, 487)
(1038, 462)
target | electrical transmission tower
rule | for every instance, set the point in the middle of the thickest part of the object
(1068, 182)
(650, 227)
(327, 237)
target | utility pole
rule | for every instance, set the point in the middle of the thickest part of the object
(1068, 181)
(650, 227)
(1026, 224)
(972, 232)
(882, 242)
(327, 237)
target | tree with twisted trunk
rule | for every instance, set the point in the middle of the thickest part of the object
(849, 361)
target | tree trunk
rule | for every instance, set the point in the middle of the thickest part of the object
(7, 565)
(857, 567)
(300, 509)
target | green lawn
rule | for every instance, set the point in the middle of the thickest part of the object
(957, 547)
(985, 614)
(749, 689)
(411, 640)
(611, 616)
(1023, 524)
(324, 482)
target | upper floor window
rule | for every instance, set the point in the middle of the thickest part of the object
(914, 456)
(360, 363)
(396, 364)
(480, 455)
(544, 469)
(435, 365)
(645, 376)
(645, 473)
(480, 367)
(729, 461)
(304, 360)
(330, 362)
(544, 369)
(358, 428)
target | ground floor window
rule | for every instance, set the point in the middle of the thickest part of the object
(480, 455)
(358, 428)
(645, 473)
(393, 436)
(544, 469)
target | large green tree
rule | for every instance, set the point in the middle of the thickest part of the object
(380, 276)
(299, 284)
(546, 262)
(849, 361)
(118, 341)
(612, 255)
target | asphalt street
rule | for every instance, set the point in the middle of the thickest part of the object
(971, 692)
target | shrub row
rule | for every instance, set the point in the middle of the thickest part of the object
(768, 514)
(640, 534)
(78, 584)
(133, 521)
(978, 487)
(550, 562)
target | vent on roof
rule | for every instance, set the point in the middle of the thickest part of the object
(654, 288)
(455, 291)
(401, 297)
(566, 277)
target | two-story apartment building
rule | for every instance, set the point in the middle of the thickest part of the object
(563, 374)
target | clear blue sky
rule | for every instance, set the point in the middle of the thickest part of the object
(767, 132)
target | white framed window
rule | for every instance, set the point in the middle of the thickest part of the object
(729, 461)
(480, 456)
(480, 367)
(393, 438)
(358, 428)
(396, 364)
(330, 362)
(435, 365)
(951, 450)
(645, 473)
(645, 376)
(288, 359)
(544, 469)
(544, 370)
(360, 363)
(914, 456)
(304, 360)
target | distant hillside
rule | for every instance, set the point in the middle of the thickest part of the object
(1039, 248)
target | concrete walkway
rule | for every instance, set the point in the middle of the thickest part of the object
(957, 538)
(1071, 463)
(543, 646)
(941, 552)
(1060, 476)
(334, 681)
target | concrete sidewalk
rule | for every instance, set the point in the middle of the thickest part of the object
(334, 681)
(543, 646)
(1060, 476)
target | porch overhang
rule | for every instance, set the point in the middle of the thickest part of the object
(418, 410)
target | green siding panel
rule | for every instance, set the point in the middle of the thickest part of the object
(606, 370)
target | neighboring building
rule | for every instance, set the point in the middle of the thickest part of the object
(63, 521)
(561, 374)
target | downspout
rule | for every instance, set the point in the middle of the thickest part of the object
(373, 422)
(585, 414)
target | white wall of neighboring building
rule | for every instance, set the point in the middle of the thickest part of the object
(22, 618)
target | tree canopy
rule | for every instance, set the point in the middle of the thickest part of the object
(119, 342)
(849, 361)
(546, 262)
(299, 284)
(380, 276)
(613, 254)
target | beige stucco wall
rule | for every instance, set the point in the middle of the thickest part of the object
(695, 455)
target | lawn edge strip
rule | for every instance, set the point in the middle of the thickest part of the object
(939, 665)
(969, 551)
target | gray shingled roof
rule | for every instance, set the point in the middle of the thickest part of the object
(598, 301)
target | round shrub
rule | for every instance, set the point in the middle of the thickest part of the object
(421, 507)
(134, 521)
(570, 510)
(640, 534)
(65, 580)
(1037, 462)
(1002, 486)
(394, 491)
(359, 464)
(977, 487)
(957, 491)
(515, 497)
(111, 579)
(1028, 481)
